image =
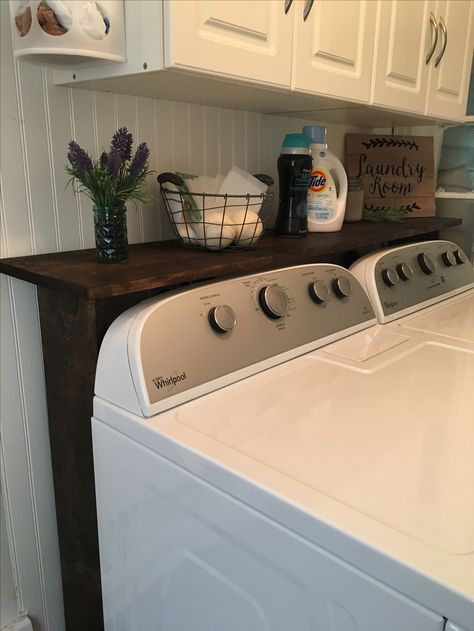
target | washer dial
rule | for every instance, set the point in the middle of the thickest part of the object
(273, 301)
(222, 318)
(342, 287)
(319, 291)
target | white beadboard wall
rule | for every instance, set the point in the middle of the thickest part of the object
(8, 611)
(39, 214)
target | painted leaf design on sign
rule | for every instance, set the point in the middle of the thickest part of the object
(377, 143)
(405, 208)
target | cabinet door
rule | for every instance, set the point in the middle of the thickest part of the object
(333, 48)
(404, 37)
(449, 81)
(244, 39)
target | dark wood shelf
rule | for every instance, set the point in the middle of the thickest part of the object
(163, 264)
(78, 300)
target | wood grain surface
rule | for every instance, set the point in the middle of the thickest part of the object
(166, 264)
(396, 171)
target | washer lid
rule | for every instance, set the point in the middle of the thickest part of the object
(395, 442)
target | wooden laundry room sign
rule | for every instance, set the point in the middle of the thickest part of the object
(396, 172)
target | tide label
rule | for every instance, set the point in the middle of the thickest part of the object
(318, 181)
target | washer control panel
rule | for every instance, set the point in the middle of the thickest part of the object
(187, 343)
(403, 279)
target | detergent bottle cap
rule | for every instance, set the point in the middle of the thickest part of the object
(316, 134)
(295, 141)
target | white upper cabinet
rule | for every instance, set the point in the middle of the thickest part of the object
(244, 39)
(403, 42)
(423, 56)
(405, 56)
(322, 47)
(333, 48)
(452, 59)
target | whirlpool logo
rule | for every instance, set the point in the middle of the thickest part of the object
(170, 382)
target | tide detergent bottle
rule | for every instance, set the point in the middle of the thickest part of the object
(326, 205)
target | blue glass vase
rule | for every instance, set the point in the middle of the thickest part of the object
(111, 241)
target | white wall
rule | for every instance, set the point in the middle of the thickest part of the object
(38, 215)
(8, 601)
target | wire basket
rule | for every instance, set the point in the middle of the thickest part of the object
(212, 221)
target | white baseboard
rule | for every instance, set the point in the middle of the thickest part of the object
(22, 624)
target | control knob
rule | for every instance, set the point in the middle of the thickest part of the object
(426, 263)
(449, 258)
(460, 257)
(390, 276)
(318, 291)
(342, 287)
(222, 318)
(273, 301)
(405, 271)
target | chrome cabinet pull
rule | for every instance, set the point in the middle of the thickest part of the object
(288, 4)
(444, 30)
(434, 31)
(307, 9)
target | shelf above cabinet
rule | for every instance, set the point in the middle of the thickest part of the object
(165, 264)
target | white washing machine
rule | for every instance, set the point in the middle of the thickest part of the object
(267, 458)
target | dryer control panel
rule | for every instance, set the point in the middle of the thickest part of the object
(404, 279)
(184, 344)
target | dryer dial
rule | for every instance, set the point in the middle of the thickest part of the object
(390, 276)
(460, 257)
(273, 301)
(426, 263)
(449, 258)
(405, 271)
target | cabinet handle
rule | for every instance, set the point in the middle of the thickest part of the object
(307, 9)
(444, 30)
(288, 4)
(434, 31)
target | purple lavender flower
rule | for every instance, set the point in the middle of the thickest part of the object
(140, 160)
(104, 160)
(79, 159)
(114, 178)
(122, 143)
(114, 161)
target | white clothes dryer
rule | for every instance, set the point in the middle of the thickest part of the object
(426, 286)
(268, 458)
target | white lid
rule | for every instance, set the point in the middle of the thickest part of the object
(377, 441)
